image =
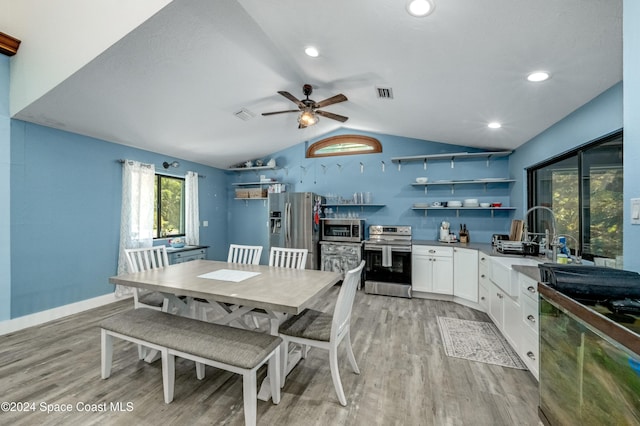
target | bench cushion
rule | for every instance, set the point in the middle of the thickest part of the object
(229, 345)
(309, 324)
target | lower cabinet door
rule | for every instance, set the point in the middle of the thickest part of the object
(496, 306)
(421, 273)
(465, 274)
(443, 275)
(513, 325)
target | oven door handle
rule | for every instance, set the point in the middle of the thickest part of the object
(403, 249)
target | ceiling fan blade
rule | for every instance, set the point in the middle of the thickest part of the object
(332, 100)
(292, 98)
(332, 116)
(280, 112)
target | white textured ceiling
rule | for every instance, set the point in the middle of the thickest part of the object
(173, 84)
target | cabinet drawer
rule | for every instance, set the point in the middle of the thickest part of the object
(483, 297)
(188, 253)
(528, 287)
(530, 353)
(433, 250)
(530, 314)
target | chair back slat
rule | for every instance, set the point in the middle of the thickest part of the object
(143, 259)
(288, 257)
(244, 254)
(344, 303)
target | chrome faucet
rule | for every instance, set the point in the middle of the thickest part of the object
(550, 242)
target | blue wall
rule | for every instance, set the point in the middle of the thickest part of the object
(65, 214)
(599, 117)
(5, 252)
(248, 219)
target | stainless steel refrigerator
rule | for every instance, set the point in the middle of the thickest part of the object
(294, 222)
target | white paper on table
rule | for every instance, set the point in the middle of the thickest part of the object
(229, 275)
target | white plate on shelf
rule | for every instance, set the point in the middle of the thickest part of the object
(421, 205)
(493, 179)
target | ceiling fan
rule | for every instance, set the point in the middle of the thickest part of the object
(309, 109)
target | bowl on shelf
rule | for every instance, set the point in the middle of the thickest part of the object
(496, 204)
(422, 179)
(470, 202)
(485, 205)
(454, 203)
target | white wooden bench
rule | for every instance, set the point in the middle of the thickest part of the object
(232, 349)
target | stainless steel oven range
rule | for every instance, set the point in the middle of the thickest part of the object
(387, 253)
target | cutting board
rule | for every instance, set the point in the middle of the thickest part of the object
(516, 230)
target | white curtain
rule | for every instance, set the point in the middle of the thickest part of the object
(136, 223)
(192, 219)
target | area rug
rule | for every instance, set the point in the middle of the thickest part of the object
(477, 341)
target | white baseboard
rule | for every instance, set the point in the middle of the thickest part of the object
(9, 326)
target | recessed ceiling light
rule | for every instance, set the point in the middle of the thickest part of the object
(311, 51)
(420, 8)
(538, 76)
(494, 125)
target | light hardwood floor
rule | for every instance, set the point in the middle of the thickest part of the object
(406, 378)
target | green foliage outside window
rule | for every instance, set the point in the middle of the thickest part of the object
(169, 201)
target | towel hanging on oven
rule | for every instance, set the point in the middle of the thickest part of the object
(387, 256)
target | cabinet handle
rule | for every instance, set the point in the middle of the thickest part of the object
(531, 318)
(482, 276)
(482, 298)
(531, 355)
(482, 258)
(499, 295)
(531, 289)
(432, 251)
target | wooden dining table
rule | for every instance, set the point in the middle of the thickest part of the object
(277, 291)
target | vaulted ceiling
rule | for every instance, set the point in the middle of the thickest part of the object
(174, 84)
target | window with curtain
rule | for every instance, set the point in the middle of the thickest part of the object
(584, 189)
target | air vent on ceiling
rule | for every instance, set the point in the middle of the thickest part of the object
(244, 114)
(384, 92)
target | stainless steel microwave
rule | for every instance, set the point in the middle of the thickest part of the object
(347, 230)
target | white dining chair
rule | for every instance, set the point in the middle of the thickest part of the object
(143, 259)
(288, 257)
(325, 331)
(244, 254)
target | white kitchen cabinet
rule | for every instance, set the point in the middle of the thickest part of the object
(504, 311)
(512, 326)
(529, 348)
(465, 274)
(483, 281)
(432, 269)
(496, 305)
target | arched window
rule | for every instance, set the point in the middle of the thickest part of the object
(344, 145)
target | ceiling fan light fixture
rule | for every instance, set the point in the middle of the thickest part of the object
(420, 8)
(307, 118)
(494, 125)
(311, 51)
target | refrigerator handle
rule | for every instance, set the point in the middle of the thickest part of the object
(287, 233)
